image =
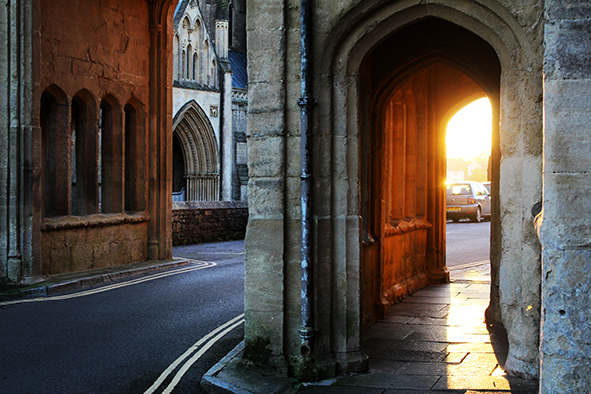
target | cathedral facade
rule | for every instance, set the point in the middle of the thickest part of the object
(206, 115)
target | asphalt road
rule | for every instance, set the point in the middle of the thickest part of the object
(467, 242)
(123, 339)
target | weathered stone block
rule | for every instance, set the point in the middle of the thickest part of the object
(567, 141)
(265, 197)
(568, 49)
(565, 330)
(266, 153)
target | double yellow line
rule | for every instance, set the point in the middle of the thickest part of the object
(209, 340)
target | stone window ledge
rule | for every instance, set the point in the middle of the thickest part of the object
(97, 220)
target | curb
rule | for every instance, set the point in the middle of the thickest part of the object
(94, 280)
(227, 377)
(214, 385)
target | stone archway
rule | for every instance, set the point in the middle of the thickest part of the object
(412, 98)
(200, 153)
(368, 62)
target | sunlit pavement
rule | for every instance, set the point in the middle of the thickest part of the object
(436, 341)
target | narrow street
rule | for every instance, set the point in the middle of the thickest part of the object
(146, 334)
(467, 242)
(123, 339)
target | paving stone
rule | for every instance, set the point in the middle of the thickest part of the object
(476, 301)
(384, 366)
(449, 337)
(423, 368)
(483, 383)
(471, 295)
(455, 358)
(435, 300)
(389, 331)
(478, 288)
(424, 392)
(470, 348)
(471, 370)
(419, 310)
(431, 292)
(317, 389)
(449, 330)
(386, 345)
(446, 321)
(397, 319)
(408, 355)
(389, 381)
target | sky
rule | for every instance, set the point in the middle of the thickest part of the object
(469, 131)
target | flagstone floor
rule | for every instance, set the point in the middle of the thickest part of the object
(436, 341)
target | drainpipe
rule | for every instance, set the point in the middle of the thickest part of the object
(306, 102)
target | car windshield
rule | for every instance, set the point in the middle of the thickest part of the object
(459, 189)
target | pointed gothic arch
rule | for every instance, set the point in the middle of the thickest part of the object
(200, 152)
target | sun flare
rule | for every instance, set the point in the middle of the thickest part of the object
(469, 131)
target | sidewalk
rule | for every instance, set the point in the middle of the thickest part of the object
(435, 341)
(70, 282)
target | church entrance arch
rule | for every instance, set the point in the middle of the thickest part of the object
(195, 156)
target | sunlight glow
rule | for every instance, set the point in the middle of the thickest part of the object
(469, 131)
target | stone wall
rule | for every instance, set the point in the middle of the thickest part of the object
(79, 162)
(200, 221)
(565, 230)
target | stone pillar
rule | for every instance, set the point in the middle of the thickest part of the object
(19, 156)
(565, 230)
(265, 241)
(160, 138)
(226, 151)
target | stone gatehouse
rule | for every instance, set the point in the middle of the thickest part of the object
(386, 76)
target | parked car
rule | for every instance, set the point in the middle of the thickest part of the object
(467, 200)
(487, 185)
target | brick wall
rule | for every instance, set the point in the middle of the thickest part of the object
(197, 221)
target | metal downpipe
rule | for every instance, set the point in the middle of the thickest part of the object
(306, 102)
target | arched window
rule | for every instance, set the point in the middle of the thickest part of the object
(213, 74)
(54, 129)
(83, 148)
(195, 66)
(189, 61)
(184, 64)
(111, 157)
(175, 57)
(203, 67)
(135, 156)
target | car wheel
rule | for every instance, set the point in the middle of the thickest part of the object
(456, 220)
(477, 216)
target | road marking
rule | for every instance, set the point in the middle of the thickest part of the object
(196, 265)
(217, 334)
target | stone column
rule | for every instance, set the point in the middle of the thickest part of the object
(226, 151)
(19, 143)
(565, 230)
(265, 242)
(160, 137)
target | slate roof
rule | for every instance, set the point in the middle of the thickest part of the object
(238, 64)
